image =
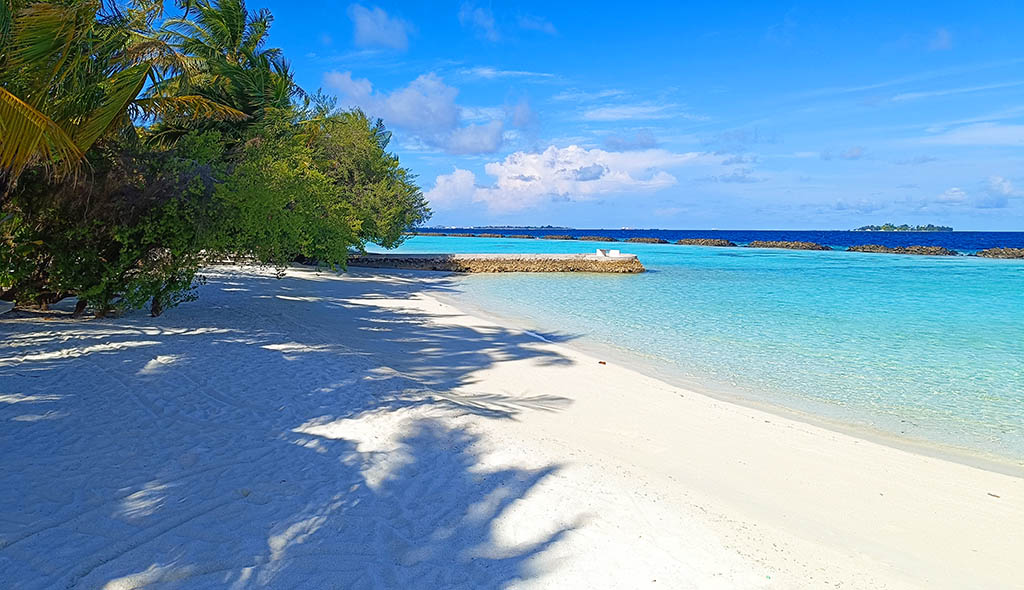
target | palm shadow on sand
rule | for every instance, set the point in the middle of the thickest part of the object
(213, 447)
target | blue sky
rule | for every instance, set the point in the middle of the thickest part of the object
(685, 115)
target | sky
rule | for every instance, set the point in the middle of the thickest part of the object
(689, 115)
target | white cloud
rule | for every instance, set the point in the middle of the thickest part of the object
(998, 185)
(426, 108)
(481, 20)
(941, 41)
(997, 195)
(374, 28)
(581, 96)
(980, 134)
(536, 23)
(951, 91)
(453, 188)
(475, 139)
(491, 73)
(527, 179)
(952, 195)
(637, 111)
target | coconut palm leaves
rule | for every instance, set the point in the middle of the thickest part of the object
(26, 136)
(71, 74)
(236, 67)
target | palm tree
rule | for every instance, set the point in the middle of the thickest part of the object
(236, 68)
(73, 73)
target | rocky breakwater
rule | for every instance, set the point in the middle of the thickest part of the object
(621, 263)
(917, 250)
(598, 239)
(706, 242)
(787, 245)
(557, 238)
(646, 241)
(1002, 253)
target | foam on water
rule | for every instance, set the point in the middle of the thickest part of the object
(927, 348)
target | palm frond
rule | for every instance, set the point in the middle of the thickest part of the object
(121, 89)
(186, 107)
(28, 136)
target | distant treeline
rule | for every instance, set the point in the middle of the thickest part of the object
(904, 227)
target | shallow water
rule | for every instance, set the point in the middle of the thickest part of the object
(927, 348)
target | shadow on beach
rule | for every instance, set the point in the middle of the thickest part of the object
(276, 433)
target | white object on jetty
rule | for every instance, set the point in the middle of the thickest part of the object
(605, 253)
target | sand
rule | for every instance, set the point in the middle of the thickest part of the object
(356, 431)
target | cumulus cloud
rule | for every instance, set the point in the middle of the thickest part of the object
(953, 195)
(998, 185)
(998, 191)
(375, 28)
(452, 188)
(480, 20)
(527, 179)
(536, 23)
(426, 108)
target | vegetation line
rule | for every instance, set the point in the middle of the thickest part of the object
(137, 144)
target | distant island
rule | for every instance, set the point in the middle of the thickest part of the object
(904, 227)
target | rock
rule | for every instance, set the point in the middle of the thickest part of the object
(558, 238)
(598, 239)
(1002, 253)
(917, 250)
(429, 233)
(501, 263)
(490, 235)
(461, 235)
(787, 245)
(706, 242)
(646, 241)
(522, 237)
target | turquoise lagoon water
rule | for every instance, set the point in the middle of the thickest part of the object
(925, 348)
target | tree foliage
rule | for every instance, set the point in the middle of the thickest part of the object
(136, 148)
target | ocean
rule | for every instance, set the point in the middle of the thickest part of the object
(925, 349)
(964, 242)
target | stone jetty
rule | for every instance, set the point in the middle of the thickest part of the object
(598, 239)
(608, 262)
(918, 250)
(1002, 253)
(787, 245)
(706, 242)
(647, 241)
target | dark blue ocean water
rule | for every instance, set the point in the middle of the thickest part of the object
(961, 241)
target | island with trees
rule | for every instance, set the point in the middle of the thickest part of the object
(904, 227)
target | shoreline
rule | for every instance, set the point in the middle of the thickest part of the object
(292, 430)
(819, 489)
(656, 369)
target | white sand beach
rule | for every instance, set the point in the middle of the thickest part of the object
(355, 431)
